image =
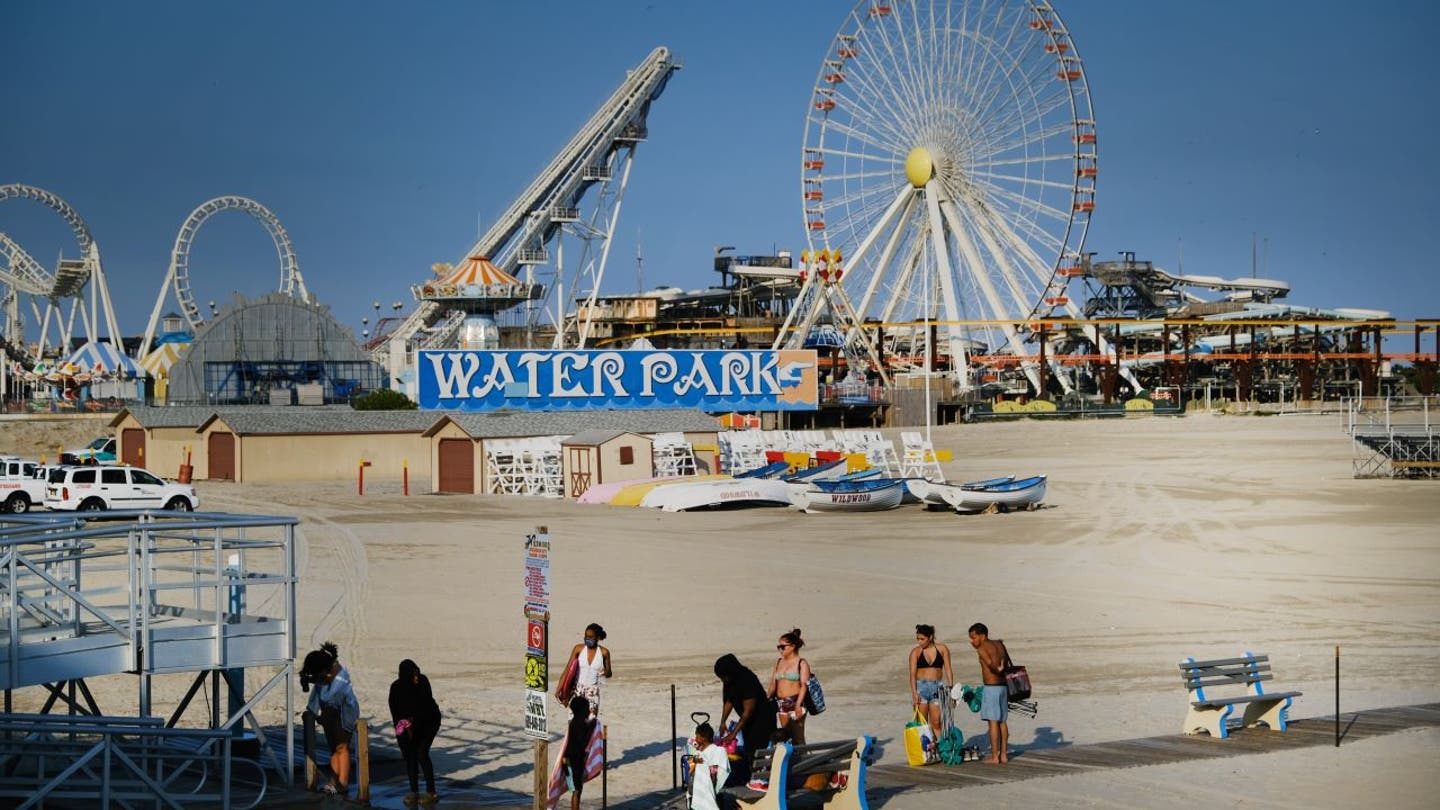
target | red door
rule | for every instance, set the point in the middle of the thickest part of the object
(222, 456)
(132, 442)
(457, 466)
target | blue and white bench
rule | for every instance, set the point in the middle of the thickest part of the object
(1210, 712)
(844, 763)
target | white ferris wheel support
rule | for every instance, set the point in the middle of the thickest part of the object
(960, 135)
(71, 280)
(178, 275)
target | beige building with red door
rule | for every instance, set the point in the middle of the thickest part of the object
(313, 444)
(157, 438)
(444, 452)
(263, 443)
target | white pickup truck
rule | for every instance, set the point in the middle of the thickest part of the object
(22, 485)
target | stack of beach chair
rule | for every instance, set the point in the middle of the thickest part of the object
(673, 455)
(529, 466)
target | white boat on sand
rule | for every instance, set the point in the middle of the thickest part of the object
(731, 493)
(932, 493)
(871, 495)
(1022, 494)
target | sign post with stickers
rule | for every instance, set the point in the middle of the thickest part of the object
(537, 653)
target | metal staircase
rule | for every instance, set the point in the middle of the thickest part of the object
(141, 594)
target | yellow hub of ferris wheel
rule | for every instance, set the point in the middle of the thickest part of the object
(919, 167)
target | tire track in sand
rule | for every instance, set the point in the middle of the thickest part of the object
(345, 617)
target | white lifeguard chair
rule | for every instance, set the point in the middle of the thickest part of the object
(673, 455)
(918, 458)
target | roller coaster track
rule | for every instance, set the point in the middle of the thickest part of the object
(178, 276)
(535, 218)
(21, 274)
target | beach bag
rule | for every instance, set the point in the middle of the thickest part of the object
(814, 695)
(918, 742)
(1017, 680)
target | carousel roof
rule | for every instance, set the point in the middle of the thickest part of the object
(478, 270)
(100, 358)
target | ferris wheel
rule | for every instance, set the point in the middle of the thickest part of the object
(948, 174)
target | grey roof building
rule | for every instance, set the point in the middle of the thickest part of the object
(273, 343)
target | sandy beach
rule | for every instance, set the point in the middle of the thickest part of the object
(1163, 538)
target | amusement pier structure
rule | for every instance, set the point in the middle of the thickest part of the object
(498, 272)
(947, 182)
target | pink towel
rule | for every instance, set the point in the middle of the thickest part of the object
(594, 764)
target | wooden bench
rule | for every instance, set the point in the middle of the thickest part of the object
(843, 763)
(1211, 713)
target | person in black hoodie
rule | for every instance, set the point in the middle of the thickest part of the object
(744, 695)
(417, 721)
(577, 745)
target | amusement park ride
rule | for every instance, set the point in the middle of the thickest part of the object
(499, 272)
(947, 181)
(178, 275)
(53, 298)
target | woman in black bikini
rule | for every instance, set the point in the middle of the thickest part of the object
(930, 675)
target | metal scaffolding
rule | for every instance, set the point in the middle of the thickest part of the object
(1394, 437)
(144, 593)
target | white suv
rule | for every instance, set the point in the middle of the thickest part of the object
(20, 489)
(89, 489)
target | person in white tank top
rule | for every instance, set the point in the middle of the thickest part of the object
(593, 661)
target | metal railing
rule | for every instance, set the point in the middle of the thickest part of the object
(1394, 437)
(1407, 414)
(124, 574)
(144, 593)
(113, 761)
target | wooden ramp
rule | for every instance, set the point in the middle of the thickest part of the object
(1034, 763)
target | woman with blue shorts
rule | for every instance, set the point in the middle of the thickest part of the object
(930, 675)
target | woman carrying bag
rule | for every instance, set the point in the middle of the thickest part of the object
(589, 662)
(417, 720)
(930, 677)
(788, 684)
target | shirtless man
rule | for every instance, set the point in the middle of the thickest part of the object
(995, 702)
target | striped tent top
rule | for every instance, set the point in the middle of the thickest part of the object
(102, 358)
(478, 270)
(159, 361)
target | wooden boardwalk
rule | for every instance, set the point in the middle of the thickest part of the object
(888, 781)
(1034, 763)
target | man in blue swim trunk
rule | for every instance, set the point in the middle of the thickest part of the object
(995, 700)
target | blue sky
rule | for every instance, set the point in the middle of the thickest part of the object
(379, 133)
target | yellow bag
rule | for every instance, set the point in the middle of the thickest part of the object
(918, 741)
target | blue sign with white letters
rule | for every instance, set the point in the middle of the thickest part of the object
(590, 379)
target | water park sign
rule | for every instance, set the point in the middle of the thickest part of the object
(587, 379)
